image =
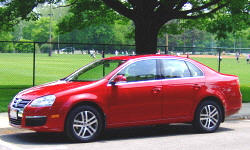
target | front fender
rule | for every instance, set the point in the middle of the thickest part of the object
(79, 98)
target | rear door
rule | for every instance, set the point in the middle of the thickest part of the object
(181, 83)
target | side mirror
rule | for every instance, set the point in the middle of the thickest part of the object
(119, 78)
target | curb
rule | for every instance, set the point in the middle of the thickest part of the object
(4, 121)
(238, 117)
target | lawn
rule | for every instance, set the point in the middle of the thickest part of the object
(16, 71)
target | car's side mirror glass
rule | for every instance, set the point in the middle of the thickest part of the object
(119, 78)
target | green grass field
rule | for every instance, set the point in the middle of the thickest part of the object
(16, 71)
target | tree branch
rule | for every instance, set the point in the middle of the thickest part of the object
(132, 2)
(165, 9)
(202, 7)
(181, 4)
(184, 16)
(140, 6)
(166, 5)
(120, 8)
(73, 3)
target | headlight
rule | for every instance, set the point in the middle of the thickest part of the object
(44, 101)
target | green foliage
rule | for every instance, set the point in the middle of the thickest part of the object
(12, 12)
(6, 47)
(104, 33)
(173, 27)
(93, 22)
(217, 17)
(201, 38)
(86, 13)
(231, 19)
(45, 48)
(112, 32)
(57, 12)
(38, 30)
(24, 47)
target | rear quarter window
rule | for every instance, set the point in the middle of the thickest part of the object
(195, 71)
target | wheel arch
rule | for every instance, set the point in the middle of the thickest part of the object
(87, 103)
(216, 100)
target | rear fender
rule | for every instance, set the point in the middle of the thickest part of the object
(210, 93)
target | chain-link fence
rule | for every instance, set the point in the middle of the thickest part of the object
(24, 64)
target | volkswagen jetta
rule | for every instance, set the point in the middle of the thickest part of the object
(128, 91)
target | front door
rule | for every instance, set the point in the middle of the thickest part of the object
(139, 98)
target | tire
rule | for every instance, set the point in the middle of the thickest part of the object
(84, 124)
(208, 117)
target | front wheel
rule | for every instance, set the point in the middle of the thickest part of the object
(84, 124)
(208, 117)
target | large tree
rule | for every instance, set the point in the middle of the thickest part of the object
(148, 16)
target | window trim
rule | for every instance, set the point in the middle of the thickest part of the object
(158, 65)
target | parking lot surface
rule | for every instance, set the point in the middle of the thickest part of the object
(231, 135)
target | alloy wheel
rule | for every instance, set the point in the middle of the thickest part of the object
(85, 124)
(209, 117)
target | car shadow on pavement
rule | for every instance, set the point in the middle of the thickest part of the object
(153, 131)
(31, 138)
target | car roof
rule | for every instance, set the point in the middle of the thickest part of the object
(143, 56)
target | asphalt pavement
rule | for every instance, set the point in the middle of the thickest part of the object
(232, 135)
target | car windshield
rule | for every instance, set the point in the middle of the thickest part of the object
(95, 71)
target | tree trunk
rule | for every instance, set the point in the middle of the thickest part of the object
(146, 37)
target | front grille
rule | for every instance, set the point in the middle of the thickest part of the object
(20, 103)
(17, 121)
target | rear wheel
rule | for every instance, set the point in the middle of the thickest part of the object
(84, 124)
(208, 117)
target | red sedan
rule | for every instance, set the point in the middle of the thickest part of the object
(128, 91)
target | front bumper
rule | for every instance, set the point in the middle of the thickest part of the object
(44, 119)
(30, 121)
(34, 121)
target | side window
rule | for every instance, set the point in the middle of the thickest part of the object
(195, 71)
(140, 71)
(174, 69)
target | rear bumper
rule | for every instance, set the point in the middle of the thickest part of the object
(232, 111)
(233, 105)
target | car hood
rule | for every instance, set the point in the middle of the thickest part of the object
(50, 88)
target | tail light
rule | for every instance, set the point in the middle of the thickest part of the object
(238, 85)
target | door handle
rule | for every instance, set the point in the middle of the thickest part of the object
(196, 86)
(156, 90)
